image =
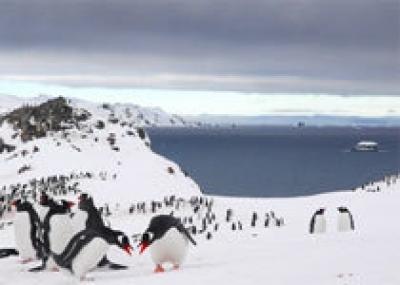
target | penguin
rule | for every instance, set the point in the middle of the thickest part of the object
(26, 230)
(43, 206)
(318, 222)
(85, 250)
(56, 231)
(168, 240)
(89, 217)
(345, 220)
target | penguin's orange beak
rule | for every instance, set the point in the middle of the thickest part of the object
(143, 245)
(128, 248)
(70, 204)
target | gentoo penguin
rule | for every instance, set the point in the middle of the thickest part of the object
(85, 250)
(318, 222)
(345, 220)
(88, 217)
(26, 230)
(43, 206)
(56, 231)
(168, 241)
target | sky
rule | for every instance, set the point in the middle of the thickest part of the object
(242, 57)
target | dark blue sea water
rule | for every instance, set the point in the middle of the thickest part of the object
(276, 161)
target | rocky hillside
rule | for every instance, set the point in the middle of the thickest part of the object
(61, 146)
(130, 113)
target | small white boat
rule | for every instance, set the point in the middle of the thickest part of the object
(366, 146)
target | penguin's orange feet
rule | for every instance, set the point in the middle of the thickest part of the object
(55, 269)
(24, 261)
(159, 269)
(176, 267)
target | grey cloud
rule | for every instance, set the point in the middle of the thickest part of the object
(356, 42)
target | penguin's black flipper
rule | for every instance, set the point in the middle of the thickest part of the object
(104, 262)
(38, 268)
(183, 230)
(115, 266)
(6, 252)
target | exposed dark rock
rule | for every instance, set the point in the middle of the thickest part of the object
(100, 125)
(141, 133)
(23, 169)
(36, 121)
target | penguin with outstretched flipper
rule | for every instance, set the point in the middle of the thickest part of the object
(89, 217)
(85, 250)
(56, 231)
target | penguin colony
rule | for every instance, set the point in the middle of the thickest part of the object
(47, 231)
(77, 241)
(377, 186)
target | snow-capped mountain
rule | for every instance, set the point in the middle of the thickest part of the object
(131, 113)
(101, 149)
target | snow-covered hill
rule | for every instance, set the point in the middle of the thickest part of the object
(99, 147)
(135, 114)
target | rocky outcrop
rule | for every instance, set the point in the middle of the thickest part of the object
(36, 121)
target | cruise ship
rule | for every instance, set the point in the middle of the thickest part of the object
(366, 146)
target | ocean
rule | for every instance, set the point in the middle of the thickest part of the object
(278, 161)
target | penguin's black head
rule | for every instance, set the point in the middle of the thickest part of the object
(44, 199)
(321, 211)
(21, 205)
(67, 204)
(85, 202)
(62, 206)
(147, 239)
(342, 209)
(122, 241)
(159, 225)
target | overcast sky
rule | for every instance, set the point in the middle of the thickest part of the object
(270, 48)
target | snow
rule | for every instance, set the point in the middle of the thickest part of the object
(274, 255)
(284, 255)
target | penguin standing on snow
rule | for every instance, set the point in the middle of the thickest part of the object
(318, 222)
(168, 240)
(26, 230)
(56, 231)
(345, 220)
(85, 250)
(89, 217)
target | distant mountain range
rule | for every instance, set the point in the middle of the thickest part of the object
(315, 120)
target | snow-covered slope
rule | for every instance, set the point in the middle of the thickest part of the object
(108, 155)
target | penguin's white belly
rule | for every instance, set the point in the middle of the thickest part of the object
(172, 247)
(320, 224)
(22, 232)
(41, 211)
(61, 232)
(344, 222)
(89, 256)
(79, 221)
